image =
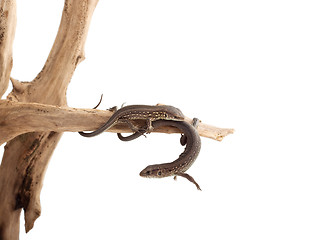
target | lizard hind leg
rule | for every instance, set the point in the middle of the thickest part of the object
(190, 178)
(134, 128)
(150, 127)
(137, 132)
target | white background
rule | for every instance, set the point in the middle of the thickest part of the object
(259, 67)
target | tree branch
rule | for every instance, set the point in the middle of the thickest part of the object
(19, 118)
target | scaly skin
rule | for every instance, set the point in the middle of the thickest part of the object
(143, 112)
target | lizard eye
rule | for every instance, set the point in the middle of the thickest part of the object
(159, 173)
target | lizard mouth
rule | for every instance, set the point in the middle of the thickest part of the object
(149, 173)
(145, 173)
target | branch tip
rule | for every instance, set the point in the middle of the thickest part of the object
(17, 85)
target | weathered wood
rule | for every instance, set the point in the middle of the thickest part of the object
(26, 157)
(19, 118)
(7, 34)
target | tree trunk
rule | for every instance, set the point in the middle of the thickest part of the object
(26, 156)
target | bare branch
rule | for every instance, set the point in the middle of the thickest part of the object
(18, 118)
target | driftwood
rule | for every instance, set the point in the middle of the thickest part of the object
(19, 118)
(35, 114)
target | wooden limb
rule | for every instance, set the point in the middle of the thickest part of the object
(49, 87)
(19, 118)
(36, 127)
(26, 156)
(7, 34)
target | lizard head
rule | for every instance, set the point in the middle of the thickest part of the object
(152, 171)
